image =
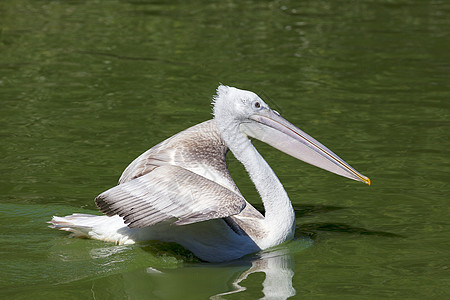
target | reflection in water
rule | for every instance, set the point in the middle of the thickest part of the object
(278, 266)
(206, 280)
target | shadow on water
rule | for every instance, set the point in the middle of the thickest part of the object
(311, 229)
(305, 210)
(160, 249)
(309, 210)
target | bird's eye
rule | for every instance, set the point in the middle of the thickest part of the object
(256, 105)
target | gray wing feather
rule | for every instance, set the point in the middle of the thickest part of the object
(169, 192)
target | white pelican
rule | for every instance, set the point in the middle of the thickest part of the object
(181, 191)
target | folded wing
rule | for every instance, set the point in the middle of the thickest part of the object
(169, 193)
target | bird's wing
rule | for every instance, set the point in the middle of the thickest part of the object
(169, 192)
(198, 147)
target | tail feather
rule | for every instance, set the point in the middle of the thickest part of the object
(91, 226)
(79, 224)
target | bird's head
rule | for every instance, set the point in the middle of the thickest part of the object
(236, 105)
(243, 112)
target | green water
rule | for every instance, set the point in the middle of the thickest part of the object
(86, 86)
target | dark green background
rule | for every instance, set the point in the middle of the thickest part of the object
(86, 86)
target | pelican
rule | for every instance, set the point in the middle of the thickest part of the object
(181, 191)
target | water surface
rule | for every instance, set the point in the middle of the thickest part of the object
(86, 86)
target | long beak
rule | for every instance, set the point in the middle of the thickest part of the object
(269, 127)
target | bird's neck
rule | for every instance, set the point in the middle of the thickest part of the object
(279, 221)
